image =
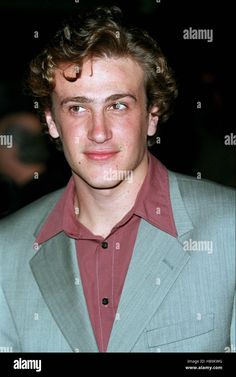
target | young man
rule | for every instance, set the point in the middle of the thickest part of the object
(130, 257)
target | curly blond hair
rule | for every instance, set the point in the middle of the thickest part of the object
(97, 34)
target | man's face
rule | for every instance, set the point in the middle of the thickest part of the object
(102, 120)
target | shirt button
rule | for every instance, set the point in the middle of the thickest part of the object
(104, 245)
(105, 301)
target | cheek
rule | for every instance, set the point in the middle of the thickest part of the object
(71, 133)
(133, 127)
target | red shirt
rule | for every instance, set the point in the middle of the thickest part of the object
(103, 263)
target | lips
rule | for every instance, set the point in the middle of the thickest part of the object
(100, 155)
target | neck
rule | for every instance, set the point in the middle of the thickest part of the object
(101, 210)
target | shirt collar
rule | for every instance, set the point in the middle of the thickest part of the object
(152, 204)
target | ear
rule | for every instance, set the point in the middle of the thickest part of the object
(152, 121)
(52, 128)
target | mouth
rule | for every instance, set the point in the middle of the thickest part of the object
(100, 155)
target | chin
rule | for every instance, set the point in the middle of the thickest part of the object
(103, 185)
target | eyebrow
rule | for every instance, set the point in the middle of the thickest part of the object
(82, 99)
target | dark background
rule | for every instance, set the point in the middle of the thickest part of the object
(192, 141)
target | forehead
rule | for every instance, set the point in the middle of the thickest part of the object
(106, 75)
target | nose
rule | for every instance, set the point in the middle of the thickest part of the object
(99, 130)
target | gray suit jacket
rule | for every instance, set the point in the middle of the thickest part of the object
(178, 294)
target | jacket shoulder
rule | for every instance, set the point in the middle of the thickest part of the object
(203, 188)
(205, 199)
(28, 219)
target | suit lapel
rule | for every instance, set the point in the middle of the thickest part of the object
(157, 261)
(56, 272)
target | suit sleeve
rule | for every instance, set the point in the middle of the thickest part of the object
(233, 328)
(9, 340)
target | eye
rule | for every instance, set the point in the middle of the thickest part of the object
(119, 106)
(77, 109)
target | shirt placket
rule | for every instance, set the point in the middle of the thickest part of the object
(105, 288)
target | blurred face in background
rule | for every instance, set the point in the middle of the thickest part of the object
(20, 122)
